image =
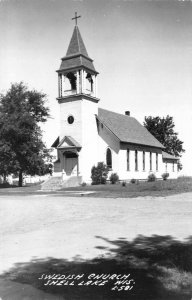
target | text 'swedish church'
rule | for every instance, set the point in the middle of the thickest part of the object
(89, 134)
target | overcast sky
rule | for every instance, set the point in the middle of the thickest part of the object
(142, 50)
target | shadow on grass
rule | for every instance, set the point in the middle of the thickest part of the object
(160, 266)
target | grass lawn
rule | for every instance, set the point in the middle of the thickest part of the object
(139, 189)
(158, 188)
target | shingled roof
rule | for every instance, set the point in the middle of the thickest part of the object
(127, 129)
(76, 44)
(76, 55)
(169, 156)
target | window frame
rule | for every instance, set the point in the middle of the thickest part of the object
(136, 160)
(143, 160)
(150, 161)
(157, 162)
(109, 152)
(128, 159)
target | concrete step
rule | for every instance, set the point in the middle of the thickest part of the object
(73, 181)
(53, 183)
(56, 183)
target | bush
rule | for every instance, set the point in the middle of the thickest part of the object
(133, 180)
(151, 177)
(124, 183)
(103, 180)
(114, 178)
(165, 176)
(5, 185)
(99, 173)
(83, 184)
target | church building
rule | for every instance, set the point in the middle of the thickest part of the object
(89, 134)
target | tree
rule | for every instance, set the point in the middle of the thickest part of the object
(22, 150)
(163, 130)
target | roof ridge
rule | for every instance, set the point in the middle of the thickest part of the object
(118, 113)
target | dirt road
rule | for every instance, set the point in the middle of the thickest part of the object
(42, 226)
(53, 226)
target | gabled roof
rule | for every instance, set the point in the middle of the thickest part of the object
(127, 129)
(169, 156)
(66, 142)
(56, 143)
(76, 55)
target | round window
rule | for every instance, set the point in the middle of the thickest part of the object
(70, 119)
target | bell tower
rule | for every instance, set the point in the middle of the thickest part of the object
(77, 75)
(77, 98)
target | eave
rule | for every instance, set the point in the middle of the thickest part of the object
(81, 66)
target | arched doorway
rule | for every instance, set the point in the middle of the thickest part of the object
(70, 163)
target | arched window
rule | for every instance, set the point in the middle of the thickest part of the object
(72, 81)
(89, 82)
(109, 158)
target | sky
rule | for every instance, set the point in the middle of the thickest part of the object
(142, 50)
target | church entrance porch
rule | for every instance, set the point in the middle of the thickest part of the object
(66, 171)
(67, 163)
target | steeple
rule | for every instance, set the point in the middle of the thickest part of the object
(76, 55)
(77, 98)
(77, 74)
(76, 45)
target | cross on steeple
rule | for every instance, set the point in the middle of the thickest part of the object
(75, 18)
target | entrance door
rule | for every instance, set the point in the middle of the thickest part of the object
(70, 164)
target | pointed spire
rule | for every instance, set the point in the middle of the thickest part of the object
(77, 56)
(76, 45)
